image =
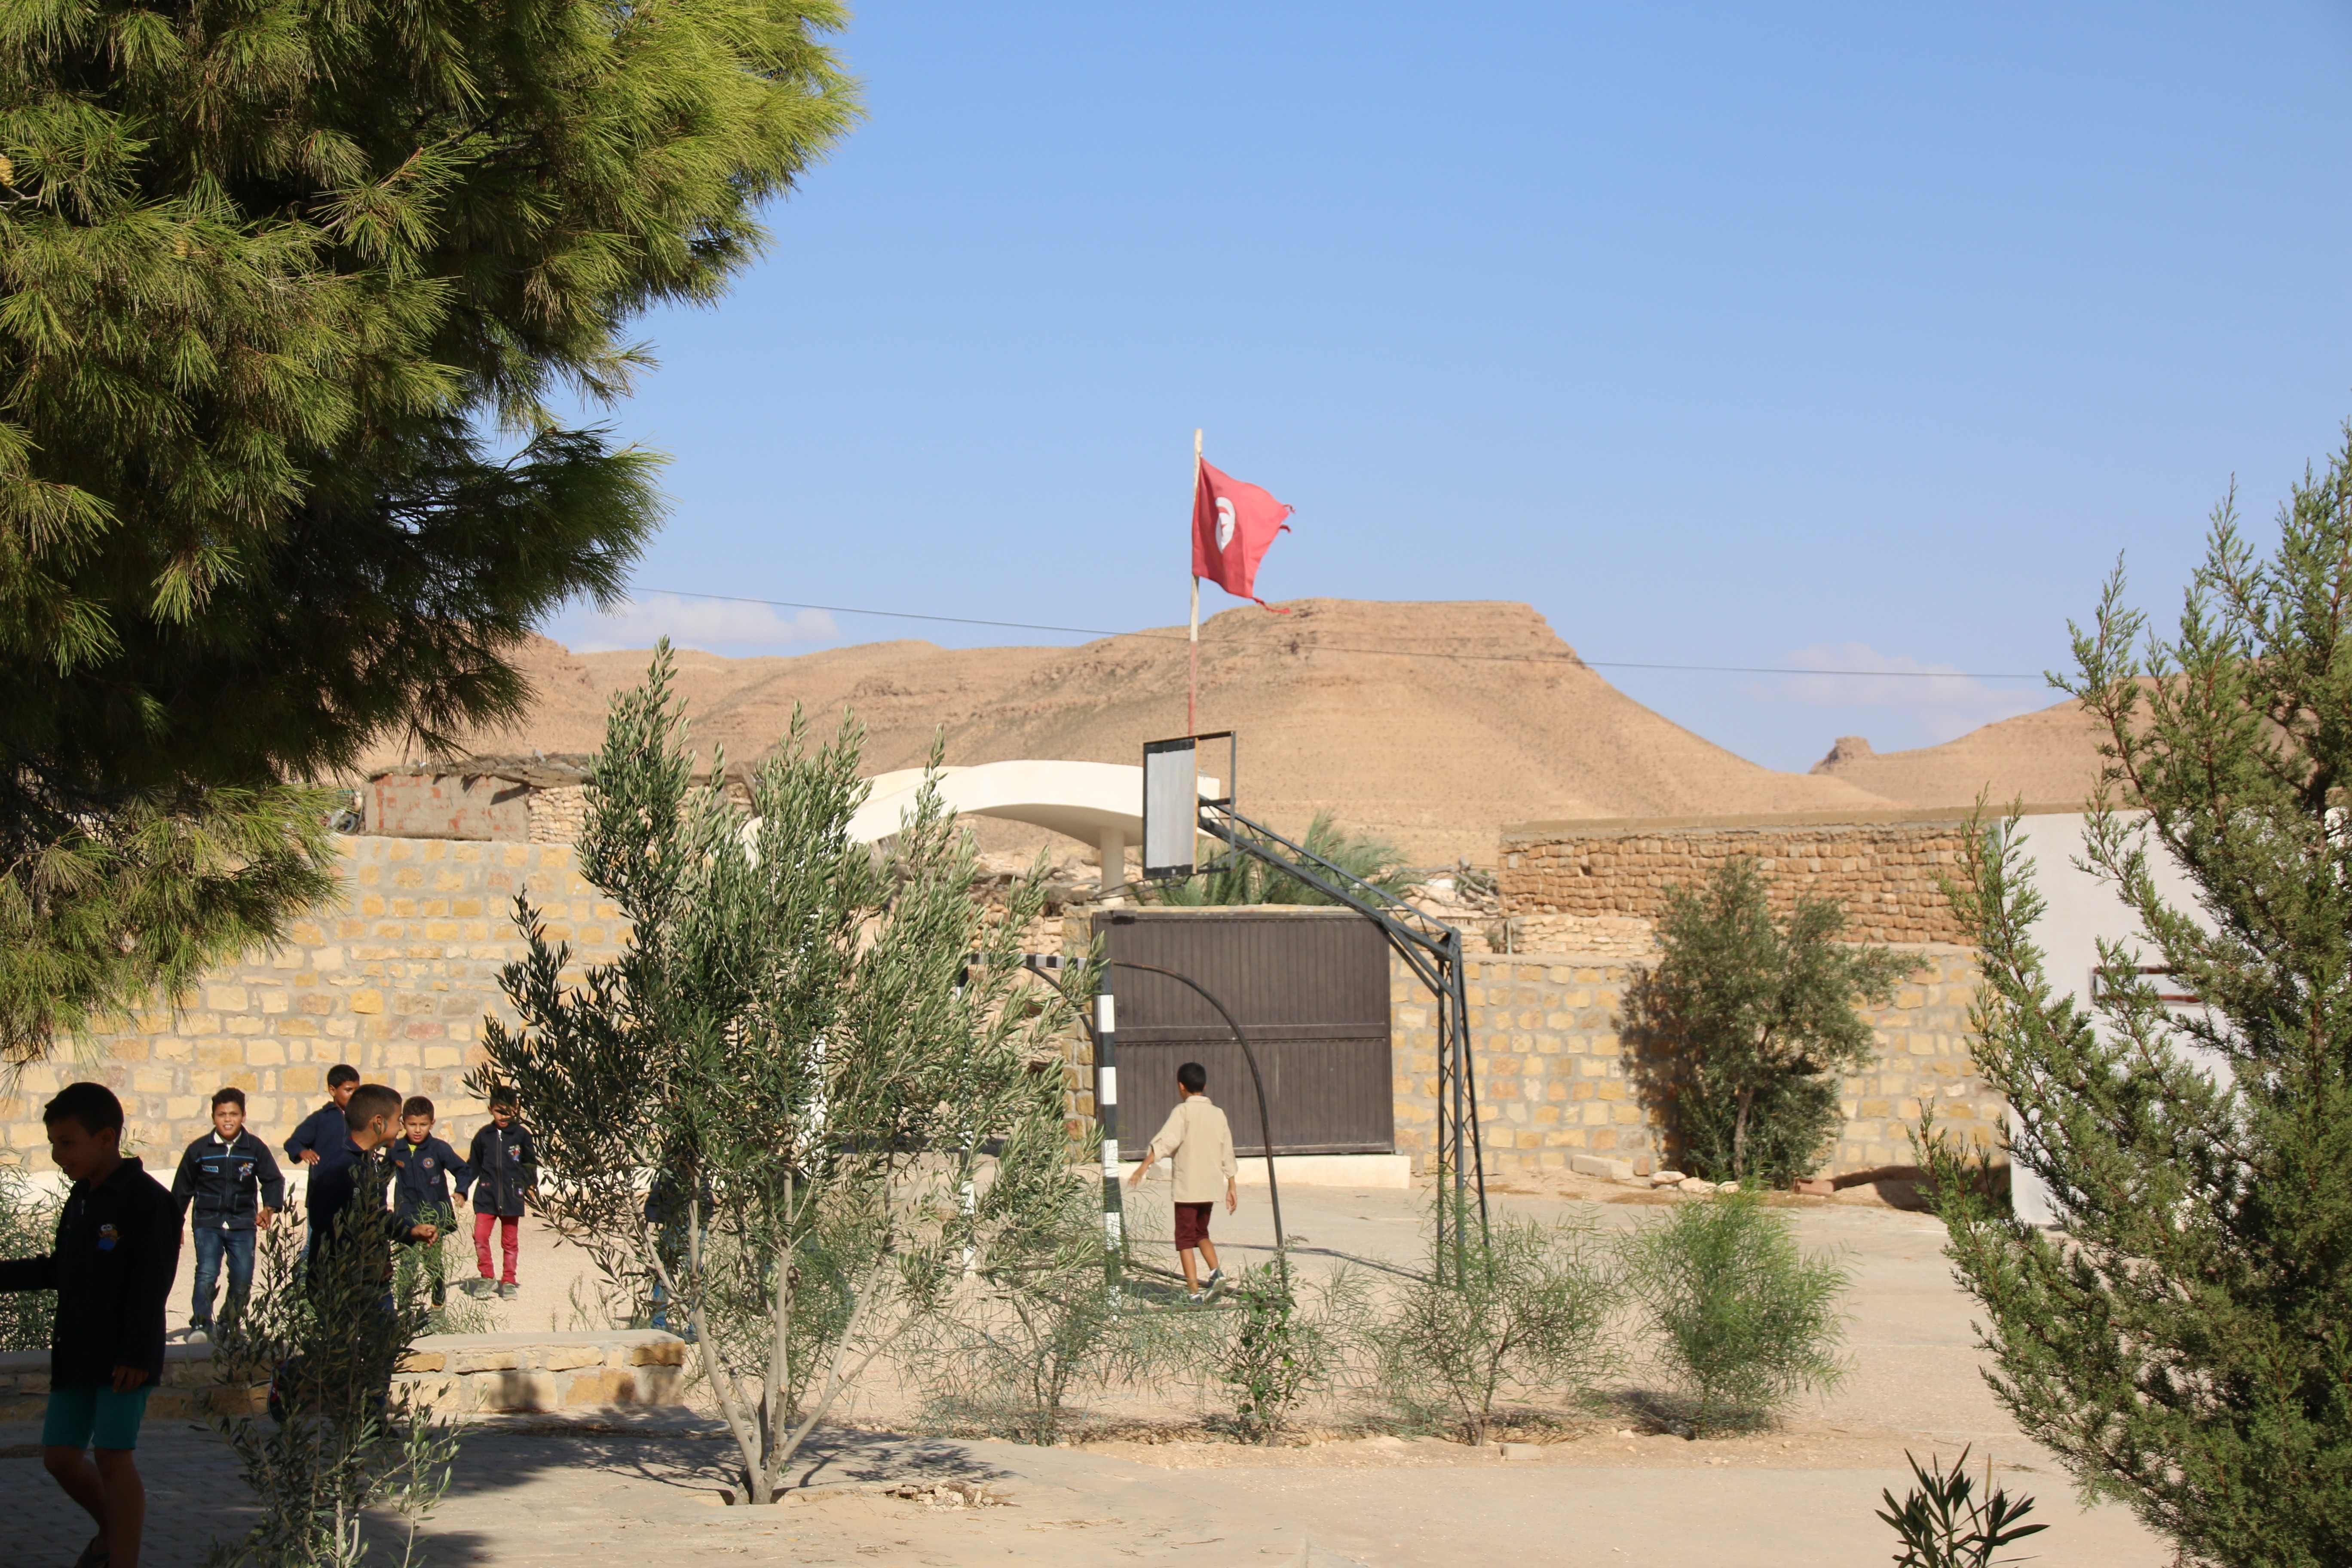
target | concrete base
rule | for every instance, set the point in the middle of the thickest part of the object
(1362, 1170)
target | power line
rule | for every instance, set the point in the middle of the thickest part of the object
(1576, 660)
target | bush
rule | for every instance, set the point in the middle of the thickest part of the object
(1038, 1322)
(28, 1228)
(1278, 1349)
(344, 1447)
(1745, 1321)
(1526, 1313)
(1239, 879)
(1746, 1021)
(1941, 1524)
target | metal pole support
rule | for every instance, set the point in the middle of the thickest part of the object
(1107, 1117)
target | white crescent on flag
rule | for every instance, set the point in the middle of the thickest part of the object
(1224, 524)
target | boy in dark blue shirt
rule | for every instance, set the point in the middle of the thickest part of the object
(423, 1167)
(227, 1189)
(319, 1140)
(117, 1249)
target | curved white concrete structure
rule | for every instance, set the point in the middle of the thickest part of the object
(1099, 803)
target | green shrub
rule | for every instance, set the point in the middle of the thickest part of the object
(28, 1228)
(1279, 1348)
(1746, 1021)
(1745, 1321)
(1527, 1313)
(1942, 1525)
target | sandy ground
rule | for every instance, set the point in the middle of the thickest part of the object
(1601, 1494)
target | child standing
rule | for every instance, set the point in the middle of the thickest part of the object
(423, 1166)
(1198, 1144)
(323, 1135)
(502, 1168)
(228, 1189)
(117, 1250)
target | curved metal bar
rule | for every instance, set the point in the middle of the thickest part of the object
(1265, 1125)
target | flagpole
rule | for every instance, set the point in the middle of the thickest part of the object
(1192, 688)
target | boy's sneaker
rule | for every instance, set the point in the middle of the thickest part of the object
(1213, 1283)
(480, 1287)
(508, 1291)
(1198, 1298)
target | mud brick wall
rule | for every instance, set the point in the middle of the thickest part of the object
(1553, 1079)
(1883, 869)
(394, 981)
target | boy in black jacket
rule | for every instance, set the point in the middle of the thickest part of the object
(118, 1247)
(502, 1169)
(357, 1178)
(423, 1166)
(319, 1140)
(227, 1189)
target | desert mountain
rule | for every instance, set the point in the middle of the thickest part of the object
(1430, 723)
(2048, 757)
(1434, 724)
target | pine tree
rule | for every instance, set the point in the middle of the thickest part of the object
(1747, 1022)
(285, 291)
(2185, 1340)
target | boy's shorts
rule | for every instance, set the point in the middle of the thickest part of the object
(1192, 1225)
(94, 1415)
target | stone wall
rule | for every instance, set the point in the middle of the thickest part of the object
(1553, 1080)
(457, 1374)
(395, 982)
(1883, 868)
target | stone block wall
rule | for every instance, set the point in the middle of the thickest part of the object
(458, 1375)
(395, 980)
(1883, 868)
(1554, 1082)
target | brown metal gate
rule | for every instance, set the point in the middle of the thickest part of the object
(1309, 989)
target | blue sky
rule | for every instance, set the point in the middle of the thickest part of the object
(1836, 336)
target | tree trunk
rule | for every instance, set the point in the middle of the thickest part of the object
(1739, 1137)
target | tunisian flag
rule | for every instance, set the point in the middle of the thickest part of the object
(1232, 523)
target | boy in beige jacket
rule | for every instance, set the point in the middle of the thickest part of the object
(1198, 1144)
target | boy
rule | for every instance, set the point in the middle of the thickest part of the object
(1198, 1144)
(229, 1188)
(422, 1166)
(356, 1176)
(117, 1250)
(321, 1138)
(503, 1169)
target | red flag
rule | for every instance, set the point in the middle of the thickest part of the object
(1232, 524)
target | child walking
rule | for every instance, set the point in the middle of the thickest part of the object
(423, 1167)
(1198, 1144)
(117, 1250)
(502, 1169)
(229, 1188)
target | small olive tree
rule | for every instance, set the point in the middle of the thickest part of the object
(1526, 1312)
(771, 1106)
(1747, 1022)
(1745, 1320)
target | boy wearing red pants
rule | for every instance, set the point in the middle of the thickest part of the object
(1198, 1144)
(503, 1170)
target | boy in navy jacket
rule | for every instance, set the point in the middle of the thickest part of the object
(423, 1167)
(227, 1188)
(321, 1137)
(117, 1249)
(503, 1170)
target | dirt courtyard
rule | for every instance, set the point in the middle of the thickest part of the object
(527, 1492)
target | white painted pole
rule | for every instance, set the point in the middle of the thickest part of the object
(1193, 687)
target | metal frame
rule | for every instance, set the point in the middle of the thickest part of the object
(1432, 950)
